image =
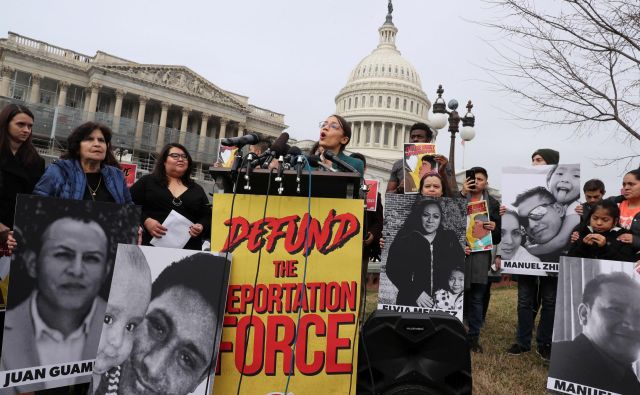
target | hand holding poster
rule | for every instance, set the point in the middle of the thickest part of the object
(59, 287)
(540, 217)
(423, 259)
(596, 333)
(372, 194)
(278, 303)
(478, 238)
(419, 159)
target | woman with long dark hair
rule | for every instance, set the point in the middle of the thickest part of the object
(20, 165)
(335, 134)
(88, 170)
(422, 255)
(170, 187)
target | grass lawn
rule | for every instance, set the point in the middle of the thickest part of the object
(495, 371)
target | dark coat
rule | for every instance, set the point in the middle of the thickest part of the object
(16, 178)
(580, 362)
(613, 250)
(409, 264)
(374, 221)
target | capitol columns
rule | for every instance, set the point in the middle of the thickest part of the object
(223, 127)
(117, 109)
(240, 129)
(162, 126)
(142, 107)
(63, 87)
(393, 138)
(203, 132)
(34, 97)
(93, 100)
(183, 124)
(7, 73)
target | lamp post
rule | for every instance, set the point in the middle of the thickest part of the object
(442, 116)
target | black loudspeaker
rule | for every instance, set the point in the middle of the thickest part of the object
(413, 353)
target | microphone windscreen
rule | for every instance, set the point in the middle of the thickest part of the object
(279, 146)
(314, 160)
(294, 151)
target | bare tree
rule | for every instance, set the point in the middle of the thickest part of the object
(576, 61)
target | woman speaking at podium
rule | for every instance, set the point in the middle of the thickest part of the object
(335, 134)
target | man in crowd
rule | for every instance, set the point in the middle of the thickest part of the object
(174, 345)
(61, 320)
(602, 356)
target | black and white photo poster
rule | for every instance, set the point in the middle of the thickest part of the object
(541, 206)
(423, 258)
(163, 321)
(60, 277)
(596, 333)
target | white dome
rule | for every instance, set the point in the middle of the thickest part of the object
(382, 98)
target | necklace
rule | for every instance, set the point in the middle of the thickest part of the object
(177, 201)
(93, 191)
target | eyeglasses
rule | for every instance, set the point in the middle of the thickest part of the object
(538, 212)
(175, 156)
(332, 125)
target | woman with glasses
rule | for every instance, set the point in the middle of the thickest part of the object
(88, 170)
(335, 134)
(170, 187)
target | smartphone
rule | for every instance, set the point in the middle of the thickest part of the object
(471, 175)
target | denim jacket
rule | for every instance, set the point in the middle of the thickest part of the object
(65, 179)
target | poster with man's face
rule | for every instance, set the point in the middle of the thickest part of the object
(423, 257)
(596, 333)
(59, 282)
(541, 213)
(163, 321)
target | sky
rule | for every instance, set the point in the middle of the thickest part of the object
(294, 56)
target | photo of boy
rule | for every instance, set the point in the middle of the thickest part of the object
(130, 294)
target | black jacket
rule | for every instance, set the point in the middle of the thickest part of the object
(613, 250)
(16, 178)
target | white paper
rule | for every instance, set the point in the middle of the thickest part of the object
(177, 231)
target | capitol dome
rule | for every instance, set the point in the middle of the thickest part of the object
(383, 97)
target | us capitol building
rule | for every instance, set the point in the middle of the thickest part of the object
(382, 98)
(145, 105)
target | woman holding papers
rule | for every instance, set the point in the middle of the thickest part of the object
(170, 192)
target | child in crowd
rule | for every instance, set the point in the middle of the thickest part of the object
(452, 299)
(599, 238)
(563, 181)
(128, 301)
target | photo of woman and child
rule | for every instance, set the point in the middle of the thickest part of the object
(426, 256)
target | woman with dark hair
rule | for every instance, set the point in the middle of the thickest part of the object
(88, 170)
(335, 134)
(20, 164)
(170, 187)
(422, 255)
(433, 185)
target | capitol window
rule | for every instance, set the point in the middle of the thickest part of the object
(404, 105)
(355, 104)
(397, 102)
(379, 101)
(371, 101)
(388, 101)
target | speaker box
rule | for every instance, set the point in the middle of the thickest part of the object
(413, 353)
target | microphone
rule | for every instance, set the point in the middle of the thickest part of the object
(291, 157)
(241, 141)
(279, 147)
(334, 158)
(316, 161)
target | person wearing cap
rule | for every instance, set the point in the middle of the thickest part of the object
(545, 156)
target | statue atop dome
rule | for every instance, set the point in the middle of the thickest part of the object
(390, 11)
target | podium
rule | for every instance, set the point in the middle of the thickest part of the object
(323, 184)
(293, 304)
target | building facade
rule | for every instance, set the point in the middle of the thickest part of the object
(146, 105)
(382, 98)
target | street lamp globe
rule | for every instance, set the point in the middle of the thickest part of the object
(467, 133)
(438, 120)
